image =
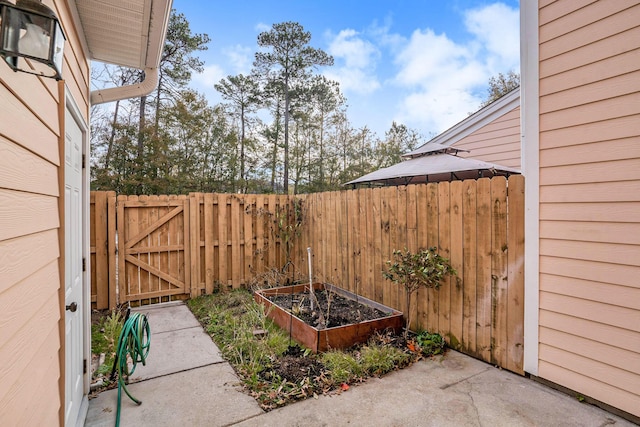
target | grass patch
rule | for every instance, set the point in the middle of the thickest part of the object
(276, 372)
(104, 340)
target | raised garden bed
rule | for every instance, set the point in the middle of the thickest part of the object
(331, 337)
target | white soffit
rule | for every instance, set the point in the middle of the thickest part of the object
(125, 32)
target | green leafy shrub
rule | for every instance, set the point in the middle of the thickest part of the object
(423, 269)
(430, 344)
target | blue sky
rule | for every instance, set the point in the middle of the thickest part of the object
(423, 63)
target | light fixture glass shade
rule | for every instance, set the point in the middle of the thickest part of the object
(31, 39)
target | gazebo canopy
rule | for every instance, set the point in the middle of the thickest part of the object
(437, 163)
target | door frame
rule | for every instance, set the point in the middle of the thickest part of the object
(71, 105)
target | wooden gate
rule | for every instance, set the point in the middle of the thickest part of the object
(153, 248)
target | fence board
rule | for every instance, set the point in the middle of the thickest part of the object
(111, 248)
(209, 244)
(456, 314)
(483, 269)
(122, 271)
(351, 232)
(333, 237)
(153, 248)
(368, 285)
(499, 277)
(433, 233)
(388, 193)
(271, 245)
(99, 255)
(422, 296)
(378, 292)
(223, 262)
(398, 240)
(247, 236)
(469, 249)
(444, 249)
(236, 259)
(515, 304)
(193, 231)
(174, 240)
(178, 246)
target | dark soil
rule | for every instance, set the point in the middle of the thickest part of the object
(295, 367)
(336, 309)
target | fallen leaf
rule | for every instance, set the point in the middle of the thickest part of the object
(411, 346)
(344, 386)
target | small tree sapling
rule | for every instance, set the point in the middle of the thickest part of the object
(423, 269)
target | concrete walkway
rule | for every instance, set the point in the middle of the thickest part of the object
(186, 383)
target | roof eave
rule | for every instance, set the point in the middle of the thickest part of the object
(474, 122)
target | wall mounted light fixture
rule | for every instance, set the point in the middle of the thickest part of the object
(31, 38)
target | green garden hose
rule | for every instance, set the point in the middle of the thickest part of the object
(133, 344)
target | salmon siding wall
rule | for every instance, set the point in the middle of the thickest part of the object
(31, 358)
(497, 142)
(590, 198)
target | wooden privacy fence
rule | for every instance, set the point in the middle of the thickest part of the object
(176, 247)
(179, 246)
(473, 223)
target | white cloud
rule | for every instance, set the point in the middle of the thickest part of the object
(429, 58)
(353, 80)
(211, 75)
(240, 58)
(497, 28)
(355, 59)
(438, 109)
(355, 51)
(442, 78)
(261, 26)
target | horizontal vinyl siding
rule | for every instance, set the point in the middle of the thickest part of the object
(31, 327)
(590, 199)
(497, 142)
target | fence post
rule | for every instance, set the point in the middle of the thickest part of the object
(99, 267)
(112, 248)
(193, 203)
(122, 280)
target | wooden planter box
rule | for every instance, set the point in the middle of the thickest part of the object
(338, 337)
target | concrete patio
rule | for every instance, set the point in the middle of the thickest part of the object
(187, 383)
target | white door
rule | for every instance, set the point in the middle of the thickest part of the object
(74, 389)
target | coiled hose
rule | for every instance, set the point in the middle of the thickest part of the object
(133, 344)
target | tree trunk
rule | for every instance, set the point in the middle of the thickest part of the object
(287, 102)
(157, 117)
(141, 126)
(274, 153)
(321, 163)
(243, 187)
(112, 137)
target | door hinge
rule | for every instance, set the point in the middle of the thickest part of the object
(84, 366)
(84, 264)
(84, 159)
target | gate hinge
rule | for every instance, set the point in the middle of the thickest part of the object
(84, 366)
(84, 264)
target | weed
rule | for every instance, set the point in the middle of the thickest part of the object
(379, 359)
(104, 340)
(342, 367)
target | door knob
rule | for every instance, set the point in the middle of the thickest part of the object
(72, 307)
